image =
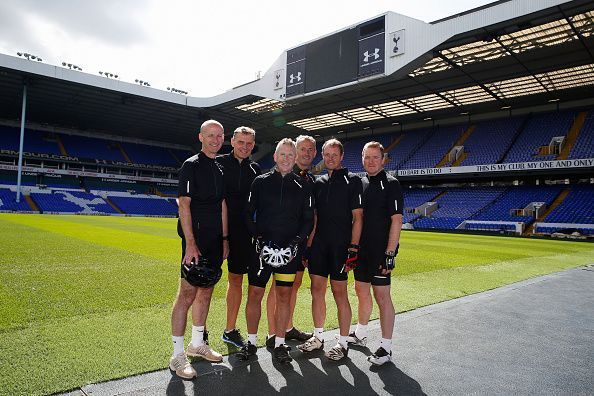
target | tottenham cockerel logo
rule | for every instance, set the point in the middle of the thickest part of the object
(395, 40)
(294, 78)
(374, 54)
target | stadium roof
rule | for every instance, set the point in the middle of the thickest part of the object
(508, 54)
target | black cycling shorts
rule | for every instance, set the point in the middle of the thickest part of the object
(241, 248)
(259, 273)
(210, 245)
(327, 259)
(369, 271)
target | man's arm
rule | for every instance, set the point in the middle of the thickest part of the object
(225, 227)
(185, 218)
(394, 236)
(357, 226)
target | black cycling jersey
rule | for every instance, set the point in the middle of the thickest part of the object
(304, 175)
(201, 179)
(382, 198)
(279, 208)
(238, 178)
(336, 197)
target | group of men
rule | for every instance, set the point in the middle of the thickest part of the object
(275, 225)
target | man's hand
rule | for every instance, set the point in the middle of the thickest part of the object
(352, 260)
(389, 263)
(192, 253)
(306, 256)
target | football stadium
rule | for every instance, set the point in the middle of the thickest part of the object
(487, 120)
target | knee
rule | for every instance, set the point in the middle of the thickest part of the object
(185, 298)
(340, 295)
(235, 281)
(383, 298)
(318, 290)
(283, 294)
(362, 291)
(255, 294)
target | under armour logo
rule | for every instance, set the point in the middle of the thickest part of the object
(375, 55)
(395, 40)
(293, 77)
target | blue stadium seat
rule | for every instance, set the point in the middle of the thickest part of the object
(152, 206)
(490, 140)
(8, 201)
(584, 144)
(539, 131)
(434, 149)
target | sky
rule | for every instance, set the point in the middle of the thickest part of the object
(202, 47)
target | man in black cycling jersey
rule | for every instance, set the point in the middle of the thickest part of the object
(202, 225)
(306, 152)
(239, 173)
(279, 215)
(335, 246)
(382, 213)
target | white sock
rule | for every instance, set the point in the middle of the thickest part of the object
(279, 341)
(361, 331)
(318, 332)
(290, 329)
(342, 340)
(197, 336)
(178, 345)
(386, 344)
(253, 339)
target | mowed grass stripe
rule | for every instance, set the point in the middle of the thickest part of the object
(425, 252)
(48, 275)
(135, 242)
(102, 302)
(125, 343)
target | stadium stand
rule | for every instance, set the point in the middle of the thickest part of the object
(70, 202)
(539, 131)
(34, 142)
(8, 201)
(144, 205)
(517, 198)
(92, 148)
(584, 145)
(181, 155)
(413, 198)
(457, 205)
(149, 155)
(434, 149)
(490, 140)
(577, 208)
(408, 143)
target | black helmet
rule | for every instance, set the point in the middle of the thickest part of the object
(201, 274)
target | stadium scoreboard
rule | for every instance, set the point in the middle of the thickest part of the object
(342, 57)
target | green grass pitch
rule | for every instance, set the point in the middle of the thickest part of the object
(87, 299)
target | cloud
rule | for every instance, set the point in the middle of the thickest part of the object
(113, 22)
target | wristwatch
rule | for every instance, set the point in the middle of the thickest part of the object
(225, 237)
(390, 253)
